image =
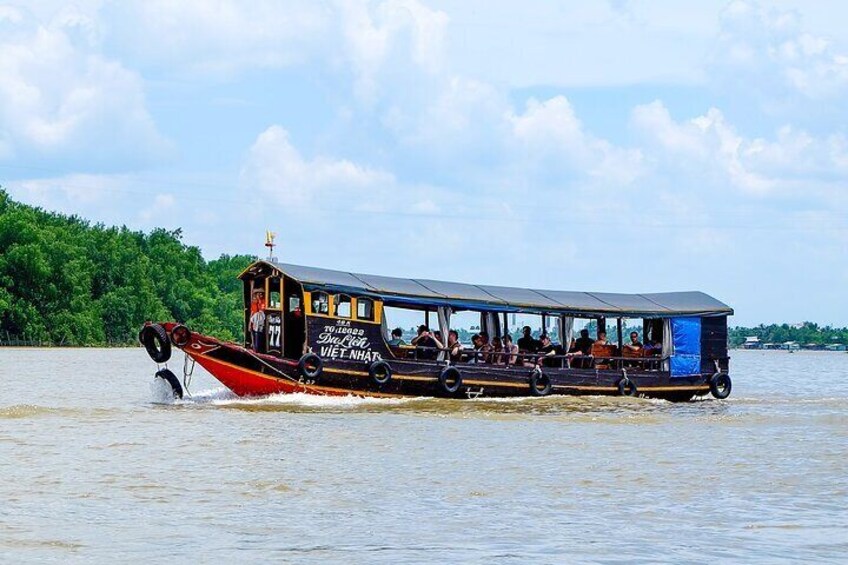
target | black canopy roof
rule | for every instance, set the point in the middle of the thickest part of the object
(461, 296)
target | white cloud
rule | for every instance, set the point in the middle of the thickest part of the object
(218, 38)
(702, 146)
(708, 145)
(396, 34)
(277, 169)
(769, 49)
(225, 38)
(82, 189)
(60, 100)
(162, 204)
(550, 129)
(452, 117)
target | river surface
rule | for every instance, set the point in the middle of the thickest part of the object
(96, 464)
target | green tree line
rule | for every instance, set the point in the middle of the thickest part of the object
(66, 281)
(808, 332)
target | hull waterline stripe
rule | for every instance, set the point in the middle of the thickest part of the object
(306, 388)
(475, 382)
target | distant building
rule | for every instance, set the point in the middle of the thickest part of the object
(790, 346)
(837, 347)
(752, 342)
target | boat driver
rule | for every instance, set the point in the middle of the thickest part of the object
(257, 325)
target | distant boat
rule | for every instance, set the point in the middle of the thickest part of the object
(325, 332)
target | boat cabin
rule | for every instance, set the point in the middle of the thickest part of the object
(341, 316)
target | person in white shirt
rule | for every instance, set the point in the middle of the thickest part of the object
(257, 328)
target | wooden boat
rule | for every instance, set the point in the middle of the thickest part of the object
(325, 333)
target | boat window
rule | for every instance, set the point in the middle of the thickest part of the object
(320, 303)
(274, 299)
(365, 309)
(342, 306)
(294, 303)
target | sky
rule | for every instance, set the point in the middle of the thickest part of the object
(620, 146)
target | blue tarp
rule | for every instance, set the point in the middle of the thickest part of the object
(686, 359)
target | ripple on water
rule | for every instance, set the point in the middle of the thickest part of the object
(104, 471)
(21, 411)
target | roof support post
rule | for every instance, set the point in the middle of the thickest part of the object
(619, 324)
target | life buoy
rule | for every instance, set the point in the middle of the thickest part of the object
(540, 383)
(380, 372)
(720, 385)
(180, 335)
(626, 387)
(170, 378)
(155, 340)
(310, 366)
(450, 379)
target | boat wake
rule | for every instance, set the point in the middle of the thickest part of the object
(221, 397)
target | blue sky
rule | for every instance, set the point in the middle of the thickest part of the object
(617, 146)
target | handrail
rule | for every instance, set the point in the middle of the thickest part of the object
(537, 356)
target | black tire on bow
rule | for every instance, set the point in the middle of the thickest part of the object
(310, 366)
(380, 372)
(170, 378)
(180, 335)
(626, 387)
(450, 379)
(155, 340)
(540, 383)
(721, 385)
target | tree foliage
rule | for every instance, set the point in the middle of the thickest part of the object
(808, 332)
(66, 281)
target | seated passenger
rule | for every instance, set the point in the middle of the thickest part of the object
(580, 349)
(583, 344)
(497, 349)
(427, 345)
(602, 338)
(527, 344)
(653, 348)
(397, 338)
(511, 348)
(548, 349)
(485, 348)
(476, 342)
(454, 347)
(635, 344)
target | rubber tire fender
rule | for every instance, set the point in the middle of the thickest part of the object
(378, 367)
(720, 386)
(539, 377)
(180, 335)
(169, 377)
(155, 340)
(310, 360)
(450, 373)
(626, 387)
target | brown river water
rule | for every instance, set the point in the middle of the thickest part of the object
(96, 465)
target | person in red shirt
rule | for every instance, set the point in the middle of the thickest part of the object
(258, 302)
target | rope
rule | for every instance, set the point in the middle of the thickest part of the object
(187, 373)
